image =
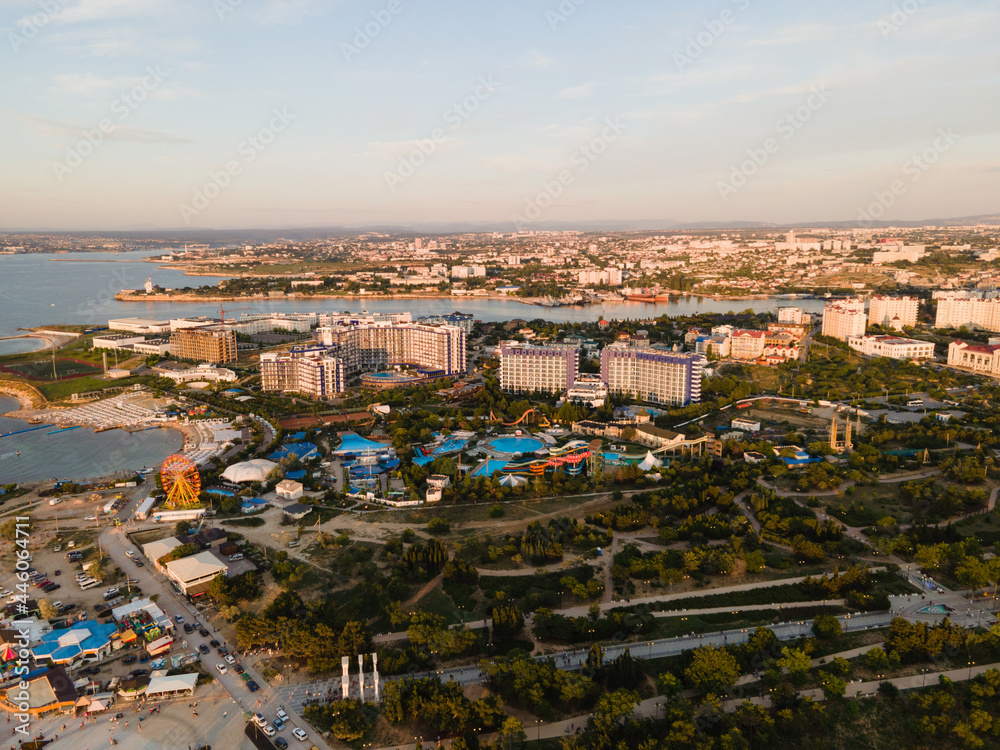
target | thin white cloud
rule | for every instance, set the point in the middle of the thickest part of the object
(292, 12)
(87, 83)
(394, 149)
(105, 10)
(126, 133)
(577, 92)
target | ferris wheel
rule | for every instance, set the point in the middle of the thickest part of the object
(181, 481)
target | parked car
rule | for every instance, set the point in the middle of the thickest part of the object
(203, 633)
(252, 686)
(238, 668)
(258, 719)
(130, 659)
(268, 730)
(281, 714)
(222, 668)
(139, 673)
(138, 563)
(230, 659)
(281, 742)
(299, 734)
(204, 649)
(188, 628)
(279, 725)
(213, 643)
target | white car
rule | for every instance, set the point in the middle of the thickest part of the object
(259, 720)
(57, 605)
(299, 734)
(268, 730)
(230, 659)
(281, 714)
(222, 668)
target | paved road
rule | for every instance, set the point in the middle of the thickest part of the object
(296, 695)
(266, 699)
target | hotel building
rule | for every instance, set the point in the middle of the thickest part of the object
(526, 368)
(309, 372)
(652, 374)
(210, 343)
(893, 312)
(844, 319)
(970, 309)
(368, 347)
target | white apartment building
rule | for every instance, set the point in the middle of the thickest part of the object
(526, 368)
(896, 253)
(978, 358)
(747, 345)
(116, 341)
(970, 309)
(608, 276)
(652, 374)
(368, 347)
(892, 347)
(844, 318)
(793, 315)
(468, 272)
(589, 390)
(893, 312)
(308, 372)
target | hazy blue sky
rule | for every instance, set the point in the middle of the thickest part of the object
(518, 94)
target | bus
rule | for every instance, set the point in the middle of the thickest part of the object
(915, 402)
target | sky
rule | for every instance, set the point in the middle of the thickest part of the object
(158, 114)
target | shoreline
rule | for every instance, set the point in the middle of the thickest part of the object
(129, 296)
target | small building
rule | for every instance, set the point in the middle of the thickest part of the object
(752, 457)
(47, 690)
(434, 494)
(438, 481)
(171, 686)
(289, 489)
(747, 425)
(297, 511)
(81, 641)
(194, 574)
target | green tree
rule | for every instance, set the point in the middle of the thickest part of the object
(797, 662)
(712, 669)
(826, 627)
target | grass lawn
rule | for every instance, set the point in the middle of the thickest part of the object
(439, 603)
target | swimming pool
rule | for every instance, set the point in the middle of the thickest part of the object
(511, 445)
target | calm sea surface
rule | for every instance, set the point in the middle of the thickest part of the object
(76, 454)
(37, 290)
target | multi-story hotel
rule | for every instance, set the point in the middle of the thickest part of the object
(844, 319)
(893, 312)
(307, 371)
(367, 347)
(208, 343)
(793, 315)
(648, 373)
(978, 358)
(970, 309)
(526, 368)
(892, 347)
(747, 345)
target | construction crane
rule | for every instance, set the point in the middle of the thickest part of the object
(222, 313)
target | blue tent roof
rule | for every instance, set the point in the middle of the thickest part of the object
(67, 644)
(300, 474)
(352, 442)
(296, 436)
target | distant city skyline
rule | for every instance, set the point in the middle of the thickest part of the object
(218, 114)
